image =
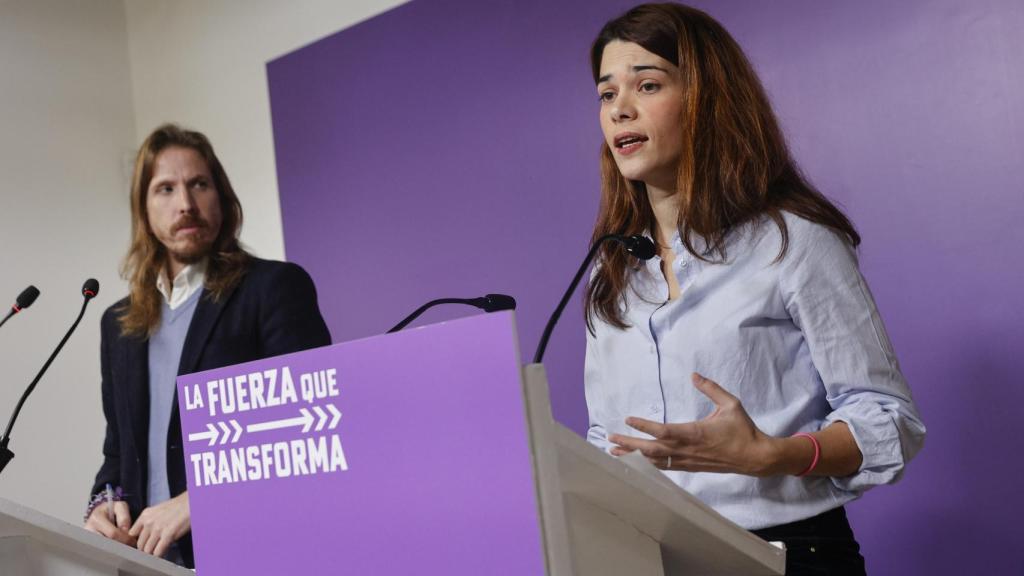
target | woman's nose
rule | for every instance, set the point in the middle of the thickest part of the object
(623, 109)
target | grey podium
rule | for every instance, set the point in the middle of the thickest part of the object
(606, 516)
(34, 544)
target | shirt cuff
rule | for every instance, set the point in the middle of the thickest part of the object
(878, 437)
(597, 436)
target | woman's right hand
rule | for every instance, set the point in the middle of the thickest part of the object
(100, 522)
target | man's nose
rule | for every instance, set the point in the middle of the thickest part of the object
(186, 202)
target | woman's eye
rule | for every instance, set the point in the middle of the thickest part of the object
(607, 96)
(200, 185)
(649, 87)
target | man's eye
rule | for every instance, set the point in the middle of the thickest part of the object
(607, 96)
(200, 185)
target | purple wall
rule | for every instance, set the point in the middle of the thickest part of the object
(449, 147)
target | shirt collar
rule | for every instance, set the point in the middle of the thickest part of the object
(698, 241)
(185, 284)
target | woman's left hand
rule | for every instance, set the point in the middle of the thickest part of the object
(725, 441)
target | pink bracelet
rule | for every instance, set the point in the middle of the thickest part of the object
(817, 452)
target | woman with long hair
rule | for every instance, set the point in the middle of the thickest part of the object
(748, 359)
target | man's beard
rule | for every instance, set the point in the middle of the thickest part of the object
(198, 247)
(192, 256)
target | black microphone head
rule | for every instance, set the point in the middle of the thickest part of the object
(27, 297)
(498, 302)
(91, 288)
(640, 246)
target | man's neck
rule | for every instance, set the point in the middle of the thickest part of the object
(194, 275)
(174, 267)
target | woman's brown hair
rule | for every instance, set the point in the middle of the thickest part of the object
(735, 166)
(147, 257)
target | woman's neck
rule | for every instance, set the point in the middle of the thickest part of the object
(665, 204)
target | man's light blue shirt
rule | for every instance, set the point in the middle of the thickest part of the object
(798, 341)
(165, 346)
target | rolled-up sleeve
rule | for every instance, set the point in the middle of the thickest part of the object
(829, 301)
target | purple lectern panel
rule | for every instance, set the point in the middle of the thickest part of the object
(399, 454)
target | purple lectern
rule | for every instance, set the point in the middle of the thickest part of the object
(429, 451)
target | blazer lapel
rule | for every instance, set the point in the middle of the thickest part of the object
(136, 369)
(203, 320)
(199, 330)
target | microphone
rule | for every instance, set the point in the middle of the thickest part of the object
(488, 303)
(89, 291)
(637, 245)
(24, 300)
(494, 303)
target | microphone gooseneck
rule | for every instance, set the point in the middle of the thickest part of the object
(24, 300)
(89, 291)
(488, 303)
(637, 245)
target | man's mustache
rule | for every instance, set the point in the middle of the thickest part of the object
(189, 222)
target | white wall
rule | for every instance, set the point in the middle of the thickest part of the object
(203, 63)
(81, 84)
(66, 128)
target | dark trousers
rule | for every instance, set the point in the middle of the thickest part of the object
(822, 545)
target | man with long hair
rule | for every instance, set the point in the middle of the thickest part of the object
(197, 301)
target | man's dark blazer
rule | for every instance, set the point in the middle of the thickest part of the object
(272, 311)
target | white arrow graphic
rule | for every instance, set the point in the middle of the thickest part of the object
(224, 435)
(306, 420)
(211, 435)
(335, 416)
(322, 418)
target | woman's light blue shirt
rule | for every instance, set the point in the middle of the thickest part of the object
(798, 341)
